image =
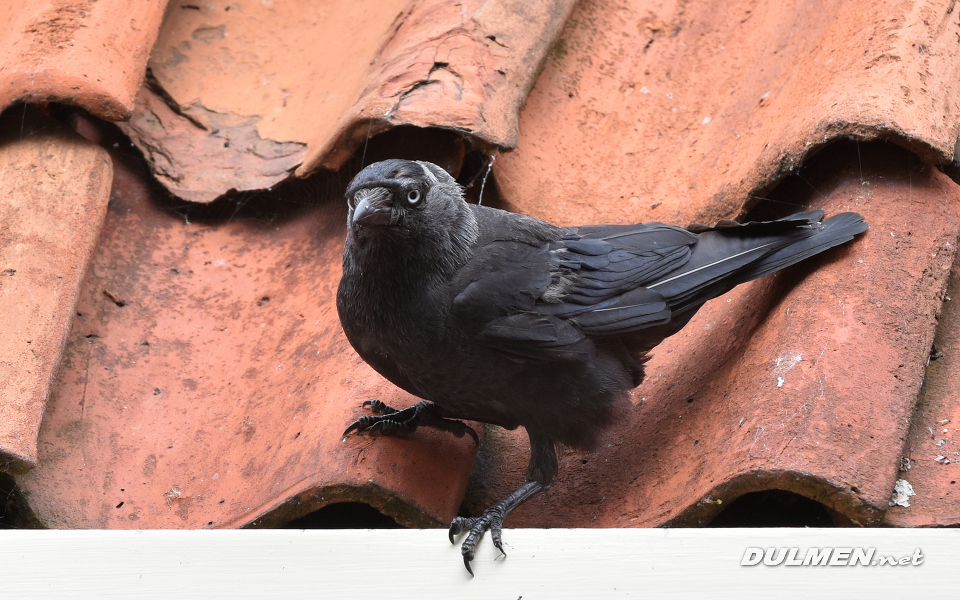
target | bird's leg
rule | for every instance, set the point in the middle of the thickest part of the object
(390, 421)
(491, 519)
(541, 473)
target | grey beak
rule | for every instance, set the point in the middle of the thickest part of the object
(366, 213)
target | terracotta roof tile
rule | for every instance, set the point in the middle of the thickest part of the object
(206, 382)
(215, 382)
(673, 112)
(804, 381)
(931, 463)
(87, 53)
(324, 84)
(55, 188)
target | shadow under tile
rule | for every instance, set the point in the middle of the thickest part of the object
(774, 508)
(344, 515)
(822, 172)
(14, 513)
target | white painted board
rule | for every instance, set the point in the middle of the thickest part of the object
(548, 564)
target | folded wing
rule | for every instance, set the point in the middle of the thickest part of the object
(546, 301)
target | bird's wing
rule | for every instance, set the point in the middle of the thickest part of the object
(545, 300)
(543, 297)
(602, 272)
(496, 299)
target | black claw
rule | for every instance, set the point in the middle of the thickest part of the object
(453, 531)
(356, 426)
(457, 526)
(466, 563)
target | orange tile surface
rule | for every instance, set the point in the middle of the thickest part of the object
(206, 381)
(804, 381)
(678, 112)
(87, 53)
(931, 458)
(55, 186)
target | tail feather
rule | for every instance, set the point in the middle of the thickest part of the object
(838, 229)
(732, 253)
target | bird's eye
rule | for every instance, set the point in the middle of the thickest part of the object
(413, 196)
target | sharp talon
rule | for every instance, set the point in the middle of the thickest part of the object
(367, 403)
(456, 527)
(466, 563)
(500, 548)
(354, 427)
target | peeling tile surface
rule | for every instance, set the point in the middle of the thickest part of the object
(88, 53)
(206, 382)
(320, 84)
(53, 197)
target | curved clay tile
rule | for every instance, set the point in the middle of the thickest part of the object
(55, 186)
(930, 467)
(666, 111)
(244, 94)
(805, 381)
(86, 53)
(677, 112)
(206, 381)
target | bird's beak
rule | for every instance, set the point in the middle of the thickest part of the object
(370, 211)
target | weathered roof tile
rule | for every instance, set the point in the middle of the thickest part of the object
(323, 84)
(81, 52)
(672, 112)
(55, 189)
(804, 381)
(206, 381)
(931, 457)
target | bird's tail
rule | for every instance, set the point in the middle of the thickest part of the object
(731, 253)
(838, 229)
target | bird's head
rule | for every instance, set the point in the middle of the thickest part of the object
(400, 193)
(412, 203)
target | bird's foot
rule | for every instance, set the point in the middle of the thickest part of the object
(491, 519)
(387, 420)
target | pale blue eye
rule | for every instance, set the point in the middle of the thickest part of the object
(413, 196)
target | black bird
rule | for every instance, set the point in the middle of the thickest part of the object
(501, 318)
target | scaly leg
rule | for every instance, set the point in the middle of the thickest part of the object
(491, 519)
(390, 421)
(541, 473)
